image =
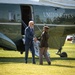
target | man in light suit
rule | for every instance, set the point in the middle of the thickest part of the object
(29, 34)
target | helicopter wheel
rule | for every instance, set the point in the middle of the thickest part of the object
(63, 54)
(21, 52)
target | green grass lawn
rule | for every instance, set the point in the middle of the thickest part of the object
(12, 63)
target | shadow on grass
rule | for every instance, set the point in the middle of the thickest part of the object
(7, 60)
(21, 59)
(61, 58)
(68, 66)
(4, 60)
(59, 65)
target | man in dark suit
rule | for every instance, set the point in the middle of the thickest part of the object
(29, 34)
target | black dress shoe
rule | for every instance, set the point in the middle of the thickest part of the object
(34, 63)
(49, 63)
(26, 62)
(41, 63)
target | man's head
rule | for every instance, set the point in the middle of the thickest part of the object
(31, 24)
(45, 28)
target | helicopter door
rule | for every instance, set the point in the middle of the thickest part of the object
(26, 16)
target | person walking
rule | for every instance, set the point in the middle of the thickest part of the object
(44, 46)
(29, 34)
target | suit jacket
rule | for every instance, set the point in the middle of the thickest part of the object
(29, 34)
(44, 39)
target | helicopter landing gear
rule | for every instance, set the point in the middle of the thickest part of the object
(61, 54)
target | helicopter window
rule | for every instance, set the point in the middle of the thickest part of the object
(53, 15)
(9, 13)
